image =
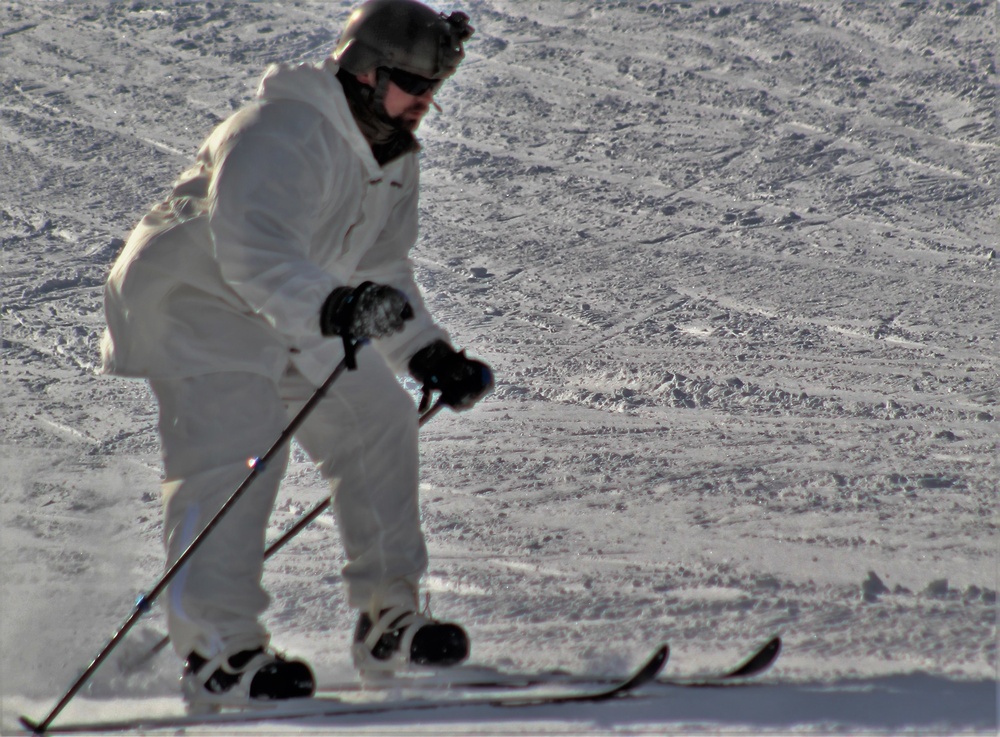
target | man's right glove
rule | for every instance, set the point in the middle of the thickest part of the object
(368, 311)
(462, 381)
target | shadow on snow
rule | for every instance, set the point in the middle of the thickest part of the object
(912, 701)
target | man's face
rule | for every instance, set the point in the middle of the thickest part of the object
(403, 106)
(410, 109)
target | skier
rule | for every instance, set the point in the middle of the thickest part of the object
(284, 243)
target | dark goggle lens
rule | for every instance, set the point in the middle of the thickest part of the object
(413, 84)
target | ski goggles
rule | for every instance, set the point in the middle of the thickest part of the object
(413, 84)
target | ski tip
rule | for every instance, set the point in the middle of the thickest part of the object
(655, 663)
(760, 661)
(661, 656)
(645, 674)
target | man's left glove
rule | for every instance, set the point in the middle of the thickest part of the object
(462, 381)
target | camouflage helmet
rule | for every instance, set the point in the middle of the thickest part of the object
(403, 34)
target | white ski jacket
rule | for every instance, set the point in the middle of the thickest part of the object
(284, 203)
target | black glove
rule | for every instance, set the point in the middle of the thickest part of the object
(368, 311)
(462, 381)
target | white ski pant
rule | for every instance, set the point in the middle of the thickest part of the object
(363, 438)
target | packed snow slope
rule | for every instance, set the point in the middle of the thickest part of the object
(735, 267)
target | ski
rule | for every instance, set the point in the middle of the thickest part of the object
(327, 706)
(480, 677)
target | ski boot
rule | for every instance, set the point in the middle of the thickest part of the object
(242, 679)
(402, 638)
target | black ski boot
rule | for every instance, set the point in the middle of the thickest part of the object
(401, 638)
(243, 678)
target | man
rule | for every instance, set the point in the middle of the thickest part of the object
(284, 244)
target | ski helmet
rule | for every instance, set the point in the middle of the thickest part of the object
(403, 34)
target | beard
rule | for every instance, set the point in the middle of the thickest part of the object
(411, 117)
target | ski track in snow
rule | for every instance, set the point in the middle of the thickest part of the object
(735, 267)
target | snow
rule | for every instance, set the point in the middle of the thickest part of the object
(735, 267)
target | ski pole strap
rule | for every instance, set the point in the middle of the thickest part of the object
(351, 346)
(350, 351)
(427, 416)
(427, 393)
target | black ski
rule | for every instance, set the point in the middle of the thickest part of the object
(483, 678)
(331, 707)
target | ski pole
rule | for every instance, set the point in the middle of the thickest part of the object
(429, 414)
(145, 601)
(305, 521)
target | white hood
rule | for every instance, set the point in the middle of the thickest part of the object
(317, 85)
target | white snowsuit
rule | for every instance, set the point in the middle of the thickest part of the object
(216, 300)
